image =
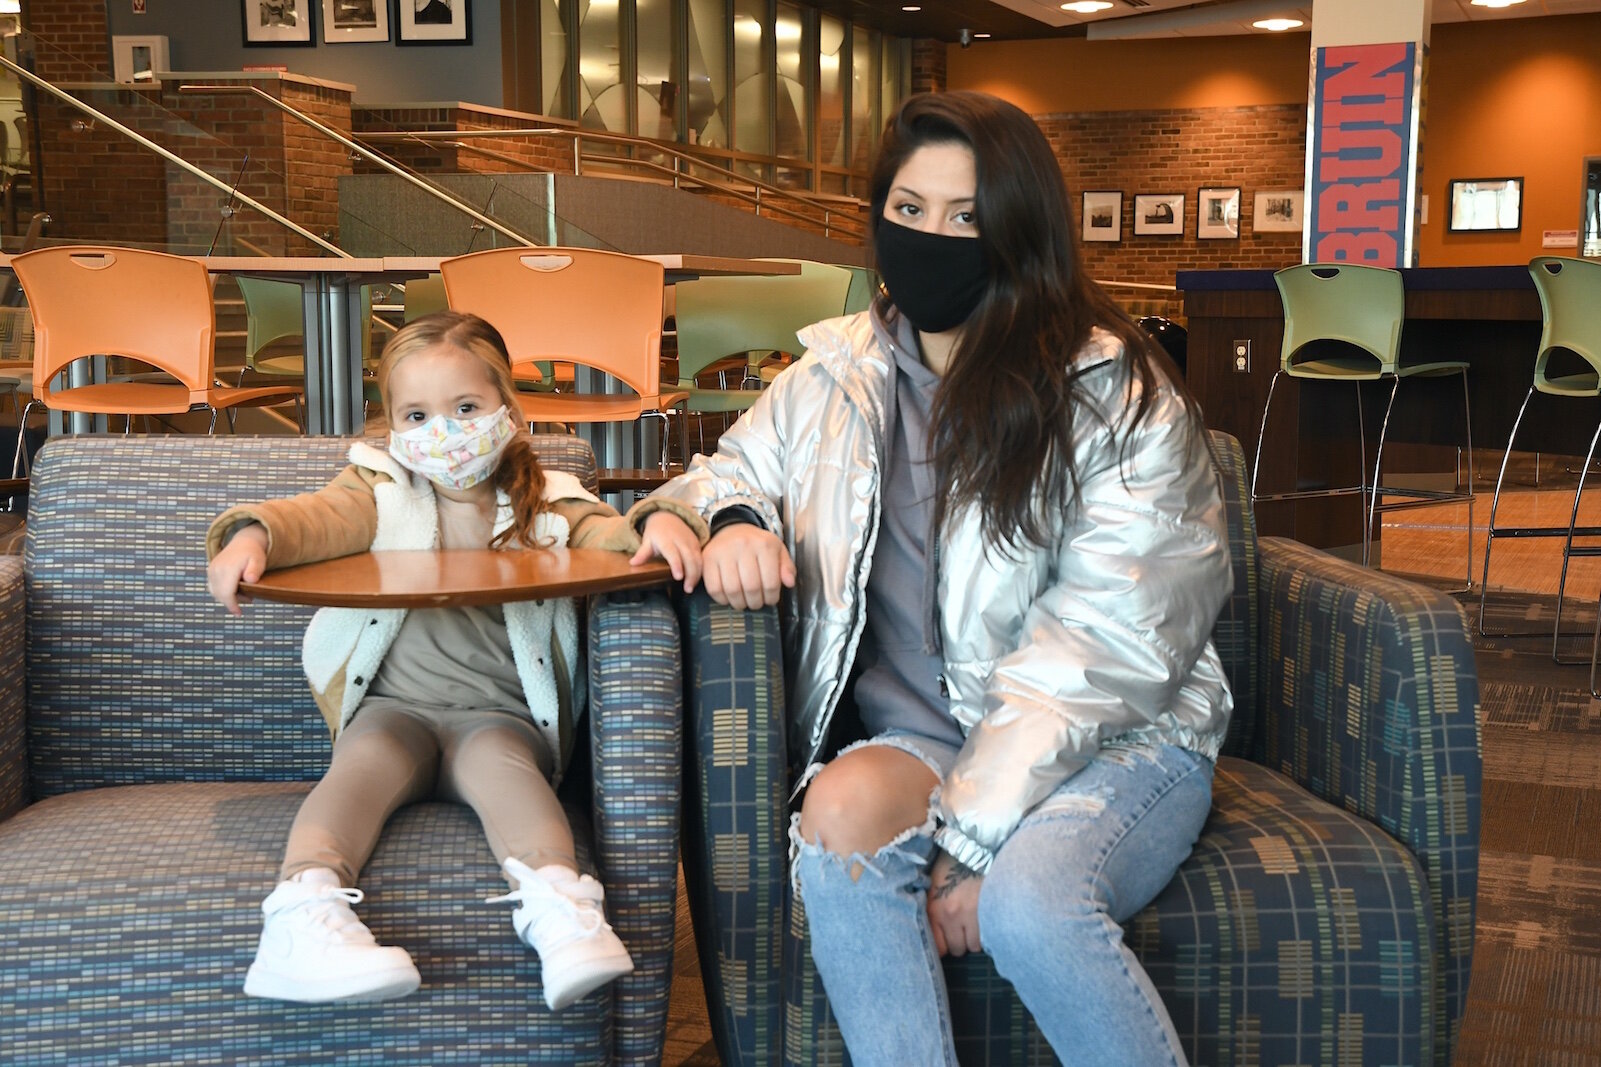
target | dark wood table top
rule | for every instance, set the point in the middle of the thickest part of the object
(455, 578)
(619, 479)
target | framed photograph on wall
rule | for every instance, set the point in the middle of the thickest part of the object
(138, 59)
(1159, 215)
(435, 22)
(1279, 211)
(1103, 215)
(278, 23)
(352, 21)
(1217, 214)
(1485, 204)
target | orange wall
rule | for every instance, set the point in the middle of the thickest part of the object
(1523, 99)
(1511, 97)
(1072, 75)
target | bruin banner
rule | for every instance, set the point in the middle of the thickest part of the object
(1361, 156)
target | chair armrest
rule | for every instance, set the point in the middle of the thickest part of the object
(635, 723)
(736, 856)
(13, 689)
(1371, 701)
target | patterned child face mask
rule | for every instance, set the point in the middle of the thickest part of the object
(455, 453)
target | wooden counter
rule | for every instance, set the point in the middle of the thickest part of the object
(1488, 316)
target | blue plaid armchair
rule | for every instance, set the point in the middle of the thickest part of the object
(1326, 914)
(153, 751)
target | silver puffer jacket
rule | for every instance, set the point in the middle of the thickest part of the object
(1049, 653)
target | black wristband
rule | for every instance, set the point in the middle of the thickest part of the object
(735, 514)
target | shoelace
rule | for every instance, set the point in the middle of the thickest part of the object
(535, 890)
(324, 908)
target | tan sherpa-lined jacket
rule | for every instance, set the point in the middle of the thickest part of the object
(375, 504)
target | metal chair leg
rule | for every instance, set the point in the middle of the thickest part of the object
(1372, 495)
(1567, 544)
(1256, 467)
(1495, 506)
(19, 461)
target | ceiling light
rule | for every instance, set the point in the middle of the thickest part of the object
(910, 7)
(1278, 25)
(1087, 7)
(1495, 3)
(980, 36)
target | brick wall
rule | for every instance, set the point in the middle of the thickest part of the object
(1179, 151)
(101, 186)
(548, 153)
(928, 66)
(74, 38)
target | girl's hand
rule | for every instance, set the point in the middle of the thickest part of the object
(669, 538)
(747, 567)
(953, 907)
(244, 558)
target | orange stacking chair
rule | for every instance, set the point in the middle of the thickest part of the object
(148, 306)
(601, 310)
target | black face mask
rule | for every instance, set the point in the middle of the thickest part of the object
(936, 280)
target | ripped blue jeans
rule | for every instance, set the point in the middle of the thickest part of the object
(1087, 858)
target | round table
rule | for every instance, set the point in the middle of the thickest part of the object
(455, 577)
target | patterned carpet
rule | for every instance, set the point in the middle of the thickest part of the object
(1536, 992)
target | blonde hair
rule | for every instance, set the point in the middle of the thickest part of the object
(519, 475)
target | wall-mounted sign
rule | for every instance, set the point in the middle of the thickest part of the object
(1559, 239)
(1362, 154)
(138, 7)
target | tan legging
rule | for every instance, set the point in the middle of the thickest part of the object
(390, 755)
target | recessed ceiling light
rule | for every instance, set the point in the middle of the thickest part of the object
(1495, 3)
(910, 7)
(1278, 25)
(1087, 7)
(980, 36)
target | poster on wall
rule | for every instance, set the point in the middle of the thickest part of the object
(435, 22)
(352, 21)
(277, 23)
(1362, 154)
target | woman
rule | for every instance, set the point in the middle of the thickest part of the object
(1008, 553)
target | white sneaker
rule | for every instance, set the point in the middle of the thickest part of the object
(314, 950)
(560, 916)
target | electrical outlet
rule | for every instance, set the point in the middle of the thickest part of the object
(1242, 357)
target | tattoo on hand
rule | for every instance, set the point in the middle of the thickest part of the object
(959, 873)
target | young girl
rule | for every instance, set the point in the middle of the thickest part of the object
(995, 507)
(472, 704)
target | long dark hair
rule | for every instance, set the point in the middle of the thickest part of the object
(519, 474)
(1005, 409)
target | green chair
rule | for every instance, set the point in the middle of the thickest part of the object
(424, 296)
(1570, 303)
(864, 286)
(741, 315)
(1342, 322)
(275, 313)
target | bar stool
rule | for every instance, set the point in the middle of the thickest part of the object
(1362, 309)
(1570, 305)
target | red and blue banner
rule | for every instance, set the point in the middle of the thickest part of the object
(1361, 154)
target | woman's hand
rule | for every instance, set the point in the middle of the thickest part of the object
(747, 567)
(243, 559)
(953, 906)
(669, 538)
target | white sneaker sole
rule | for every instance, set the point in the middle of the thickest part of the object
(583, 977)
(379, 985)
